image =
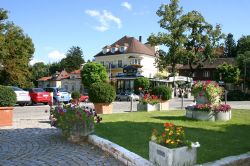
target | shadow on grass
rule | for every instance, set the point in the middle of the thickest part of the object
(230, 139)
(181, 118)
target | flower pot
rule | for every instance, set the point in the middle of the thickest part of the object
(223, 116)
(189, 113)
(148, 107)
(79, 133)
(203, 115)
(103, 108)
(163, 156)
(164, 106)
(6, 115)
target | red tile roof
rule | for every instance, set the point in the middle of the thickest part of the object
(44, 78)
(76, 72)
(134, 46)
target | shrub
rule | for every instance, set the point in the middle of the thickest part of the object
(75, 95)
(92, 73)
(101, 93)
(141, 82)
(237, 95)
(7, 96)
(163, 92)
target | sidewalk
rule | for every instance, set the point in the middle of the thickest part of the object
(33, 142)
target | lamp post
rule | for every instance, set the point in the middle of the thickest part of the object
(245, 72)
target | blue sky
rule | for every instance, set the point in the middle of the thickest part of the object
(57, 25)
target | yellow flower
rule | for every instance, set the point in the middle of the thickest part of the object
(178, 140)
(168, 140)
(170, 133)
(166, 129)
(172, 142)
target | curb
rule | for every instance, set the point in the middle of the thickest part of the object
(118, 152)
(243, 160)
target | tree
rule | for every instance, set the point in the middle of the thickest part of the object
(141, 82)
(173, 22)
(202, 40)
(228, 73)
(243, 61)
(54, 67)
(16, 51)
(230, 46)
(243, 44)
(39, 70)
(92, 73)
(73, 59)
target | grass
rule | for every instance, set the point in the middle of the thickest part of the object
(217, 139)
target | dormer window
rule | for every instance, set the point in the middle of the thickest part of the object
(113, 49)
(105, 50)
(122, 48)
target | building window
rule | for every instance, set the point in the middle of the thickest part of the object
(122, 49)
(206, 74)
(104, 51)
(135, 62)
(119, 63)
(113, 49)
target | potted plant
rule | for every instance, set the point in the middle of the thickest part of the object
(7, 101)
(75, 97)
(170, 147)
(203, 112)
(75, 122)
(149, 103)
(222, 112)
(164, 93)
(102, 95)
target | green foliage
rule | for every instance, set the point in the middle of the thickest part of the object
(54, 67)
(243, 44)
(230, 46)
(228, 73)
(93, 73)
(163, 92)
(101, 93)
(7, 96)
(243, 61)
(74, 59)
(173, 22)
(39, 70)
(141, 82)
(75, 95)
(16, 51)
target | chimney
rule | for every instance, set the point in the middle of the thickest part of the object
(140, 38)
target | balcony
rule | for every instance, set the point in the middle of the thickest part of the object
(115, 66)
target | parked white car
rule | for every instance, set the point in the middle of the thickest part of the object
(126, 96)
(22, 96)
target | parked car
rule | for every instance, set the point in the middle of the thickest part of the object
(22, 96)
(84, 98)
(126, 96)
(59, 94)
(38, 95)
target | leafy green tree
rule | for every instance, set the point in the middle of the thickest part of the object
(16, 51)
(141, 82)
(173, 22)
(54, 67)
(228, 73)
(73, 60)
(39, 70)
(202, 40)
(93, 73)
(243, 44)
(230, 46)
(243, 61)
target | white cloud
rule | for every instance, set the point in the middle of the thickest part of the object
(33, 61)
(56, 56)
(126, 5)
(105, 19)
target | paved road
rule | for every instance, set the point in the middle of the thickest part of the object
(31, 141)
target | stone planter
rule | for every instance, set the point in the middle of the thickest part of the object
(189, 114)
(203, 115)
(163, 156)
(103, 108)
(223, 116)
(6, 114)
(78, 133)
(147, 107)
(164, 106)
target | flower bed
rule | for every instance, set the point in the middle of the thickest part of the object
(74, 121)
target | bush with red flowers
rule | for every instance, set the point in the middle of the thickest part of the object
(150, 99)
(221, 108)
(202, 107)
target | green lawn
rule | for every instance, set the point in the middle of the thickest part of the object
(217, 139)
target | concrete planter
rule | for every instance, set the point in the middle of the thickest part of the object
(189, 114)
(6, 115)
(78, 133)
(103, 108)
(164, 106)
(148, 107)
(203, 115)
(223, 116)
(163, 156)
